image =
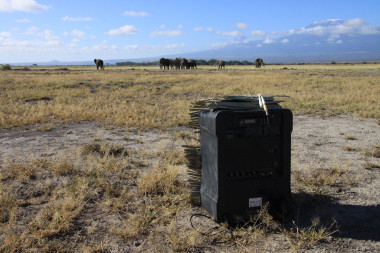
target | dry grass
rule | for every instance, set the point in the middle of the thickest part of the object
(373, 153)
(149, 98)
(303, 238)
(103, 196)
(317, 180)
(349, 148)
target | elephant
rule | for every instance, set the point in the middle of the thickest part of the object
(259, 62)
(99, 64)
(184, 63)
(191, 64)
(221, 64)
(175, 63)
(165, 63)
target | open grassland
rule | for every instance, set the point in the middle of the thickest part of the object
(93, 161)
(150, 98)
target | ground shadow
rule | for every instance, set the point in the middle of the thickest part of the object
(354, 221)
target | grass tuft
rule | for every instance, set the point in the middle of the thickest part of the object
(161, 179)
(8, 206)
(303, 238)
(104, 149)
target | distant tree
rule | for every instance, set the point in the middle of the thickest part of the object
(6, 67)
(201, 62)
(211, 62)
(247, 63)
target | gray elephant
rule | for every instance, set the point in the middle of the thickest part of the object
(221, 64)
(99, 64)
(191, 64)
(183, 63)
(175, 63)
(164, 63)
(259, 62)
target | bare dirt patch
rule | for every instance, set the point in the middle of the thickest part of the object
(335, 176)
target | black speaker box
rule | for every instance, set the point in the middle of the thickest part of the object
(245, 161)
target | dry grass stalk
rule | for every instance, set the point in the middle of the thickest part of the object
(303, 238)
(316, 179)
(161, 179)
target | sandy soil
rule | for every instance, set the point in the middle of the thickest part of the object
(339, 141)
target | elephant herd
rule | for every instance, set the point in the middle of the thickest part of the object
(182, 63)
(177, 63)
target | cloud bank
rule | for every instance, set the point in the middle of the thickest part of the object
(21, 5)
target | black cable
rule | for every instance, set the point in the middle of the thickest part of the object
(208, 217)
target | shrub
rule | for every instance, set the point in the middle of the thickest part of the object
(6, 67)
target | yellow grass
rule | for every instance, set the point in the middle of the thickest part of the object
(143, 195)
(146, 97)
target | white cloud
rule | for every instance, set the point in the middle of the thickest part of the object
(341, 29)
(32, 30)
(235, 41)
(24, 20)
(170, 33)
(258, 33)
(337, 26)
(104, 48)
(241, 26)
(124, 30)
(198, 29)
(78, 33)
(67, 18)
(15, 46)
(135, 14)
(333, 37)
(12, 44)
(355, 22)
(210, 29)
(48, 35)
(269, 41)
(259, 45)
(21, 5)
(230, 34)
(284, 41)
(53, 43)
(157, 48)
(339, 42)
(5, 34)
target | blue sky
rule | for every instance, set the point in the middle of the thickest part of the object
(41, 30)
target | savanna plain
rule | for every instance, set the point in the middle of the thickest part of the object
(94, 161)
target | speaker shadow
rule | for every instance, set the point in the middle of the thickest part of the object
(354, 221)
